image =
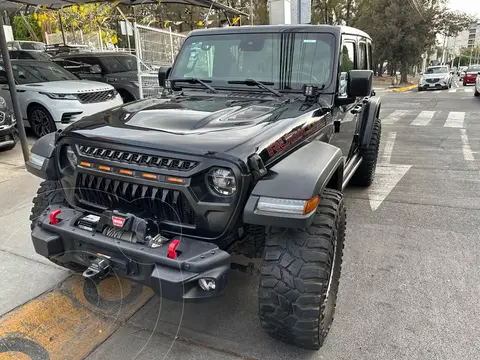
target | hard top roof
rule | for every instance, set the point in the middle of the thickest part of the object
(94, 53)
(335, 29)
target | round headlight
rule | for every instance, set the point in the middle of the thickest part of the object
(222, 181)
(71, 156)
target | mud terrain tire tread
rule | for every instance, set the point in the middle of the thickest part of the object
(50, 192)
(295, 274)
(365, 173)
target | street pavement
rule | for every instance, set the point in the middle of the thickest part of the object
(410, 285)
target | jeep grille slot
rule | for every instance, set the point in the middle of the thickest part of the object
(164, 205)
(138, 159)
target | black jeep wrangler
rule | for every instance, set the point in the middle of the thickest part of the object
(244, 156)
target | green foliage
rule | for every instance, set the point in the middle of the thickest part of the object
(20, 31)
(401, 30)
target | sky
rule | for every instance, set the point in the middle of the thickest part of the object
(470, 6)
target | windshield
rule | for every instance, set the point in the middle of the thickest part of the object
(437, 70)
(32, 46)
(475, 68)
(286, 60)
(39, 71)
(122, 63)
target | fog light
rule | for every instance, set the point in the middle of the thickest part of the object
(207, 284)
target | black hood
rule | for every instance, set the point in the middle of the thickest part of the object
(196, 124)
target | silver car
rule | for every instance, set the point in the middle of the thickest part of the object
(435, 77)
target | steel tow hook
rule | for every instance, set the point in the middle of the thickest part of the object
(97, 270)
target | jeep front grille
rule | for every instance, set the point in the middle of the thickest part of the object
(164, 205)
(97, 96)
(138, 159)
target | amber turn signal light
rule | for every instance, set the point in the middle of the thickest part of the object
(85, 164)
(310, 205)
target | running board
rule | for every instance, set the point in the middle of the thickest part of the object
(350, 169)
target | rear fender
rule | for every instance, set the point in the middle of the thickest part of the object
(300, 176)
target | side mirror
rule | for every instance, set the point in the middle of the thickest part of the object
(95, 69)
(360, 83)
(163, 73)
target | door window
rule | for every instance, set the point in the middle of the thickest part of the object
(347, 63)
(363, 61)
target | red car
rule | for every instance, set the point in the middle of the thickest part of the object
(471, 75)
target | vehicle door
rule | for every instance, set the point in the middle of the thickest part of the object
(353, 57)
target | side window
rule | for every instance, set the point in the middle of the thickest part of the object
(348, 57)
(79, 65)
(347, 63)
(362, 58)
(370, 56)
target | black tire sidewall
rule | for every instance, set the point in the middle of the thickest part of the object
(294, 281)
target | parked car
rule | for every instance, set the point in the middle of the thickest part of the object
(29, 54)
(115, 68)
(470, 76)
(245, 155)
(26, 45)
(51, 98)
(8, 128)
(435, 77)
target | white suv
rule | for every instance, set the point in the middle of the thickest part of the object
(52, 98)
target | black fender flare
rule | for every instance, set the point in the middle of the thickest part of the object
(300, 176)
(44, 148)
(370, 113)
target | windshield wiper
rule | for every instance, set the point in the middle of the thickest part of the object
(196, 81)
(261, 85)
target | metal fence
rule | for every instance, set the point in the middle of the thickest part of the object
(155, 48)
(93, 40)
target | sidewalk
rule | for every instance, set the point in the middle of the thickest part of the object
(385, 83)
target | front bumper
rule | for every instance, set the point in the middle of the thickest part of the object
(8, 136)
(469, 79)
(437, 85)
(66, 112)
(175, 279)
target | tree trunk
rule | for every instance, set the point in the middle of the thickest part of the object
(404, 73)
(347, 17)
(380, 69)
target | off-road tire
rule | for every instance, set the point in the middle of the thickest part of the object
(366, 171)
(296, 304)
(49, 193)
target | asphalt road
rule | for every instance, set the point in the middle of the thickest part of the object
(410, 281)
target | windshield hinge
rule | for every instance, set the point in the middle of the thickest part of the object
(257, 167)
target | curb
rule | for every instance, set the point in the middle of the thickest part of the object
(406, 88)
